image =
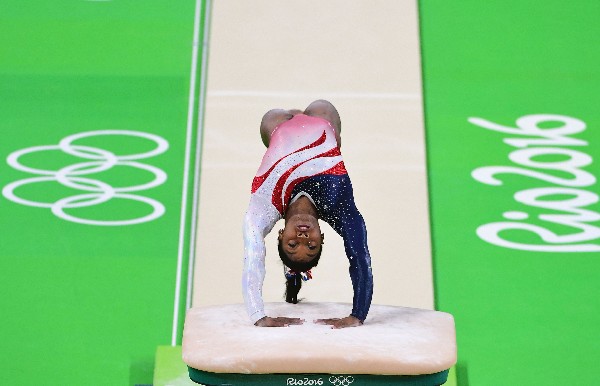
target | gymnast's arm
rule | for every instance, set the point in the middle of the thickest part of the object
(354, 232)
(259, 220)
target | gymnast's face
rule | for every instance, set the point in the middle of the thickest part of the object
(301, 238)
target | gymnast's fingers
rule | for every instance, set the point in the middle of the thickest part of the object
(277, 322)
(348, 321)
(290, 321)
(330, 321)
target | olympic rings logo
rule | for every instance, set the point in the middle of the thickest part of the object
(97, 192)
(341, 380)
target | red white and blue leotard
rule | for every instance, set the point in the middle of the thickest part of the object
(303, 156)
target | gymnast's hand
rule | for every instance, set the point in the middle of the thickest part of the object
(278, 322)
(348, 321)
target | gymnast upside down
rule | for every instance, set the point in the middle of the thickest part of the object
(302, 178)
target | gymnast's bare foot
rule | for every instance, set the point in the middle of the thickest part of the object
(278, 322)
(348, 321)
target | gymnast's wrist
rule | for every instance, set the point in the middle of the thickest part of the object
(260, 321)
(256, 316)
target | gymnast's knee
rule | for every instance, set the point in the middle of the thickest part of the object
(320, 107)
(324, 109)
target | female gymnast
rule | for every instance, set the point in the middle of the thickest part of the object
(302, 178)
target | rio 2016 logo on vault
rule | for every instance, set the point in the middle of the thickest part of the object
(548, 156)
(334, 380)
(95, 191)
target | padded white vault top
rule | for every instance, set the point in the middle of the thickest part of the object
(393, 341)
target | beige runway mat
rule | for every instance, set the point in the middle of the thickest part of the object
(364, 58)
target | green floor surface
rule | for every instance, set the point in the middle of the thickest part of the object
(83, 303)
(170, 370)
(516, 259)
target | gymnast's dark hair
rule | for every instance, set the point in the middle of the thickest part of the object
(294, 283)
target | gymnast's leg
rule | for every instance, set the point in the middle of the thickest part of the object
(324, 109)
(272, 119)
(319, 108)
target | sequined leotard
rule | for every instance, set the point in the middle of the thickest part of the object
(303, 157)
